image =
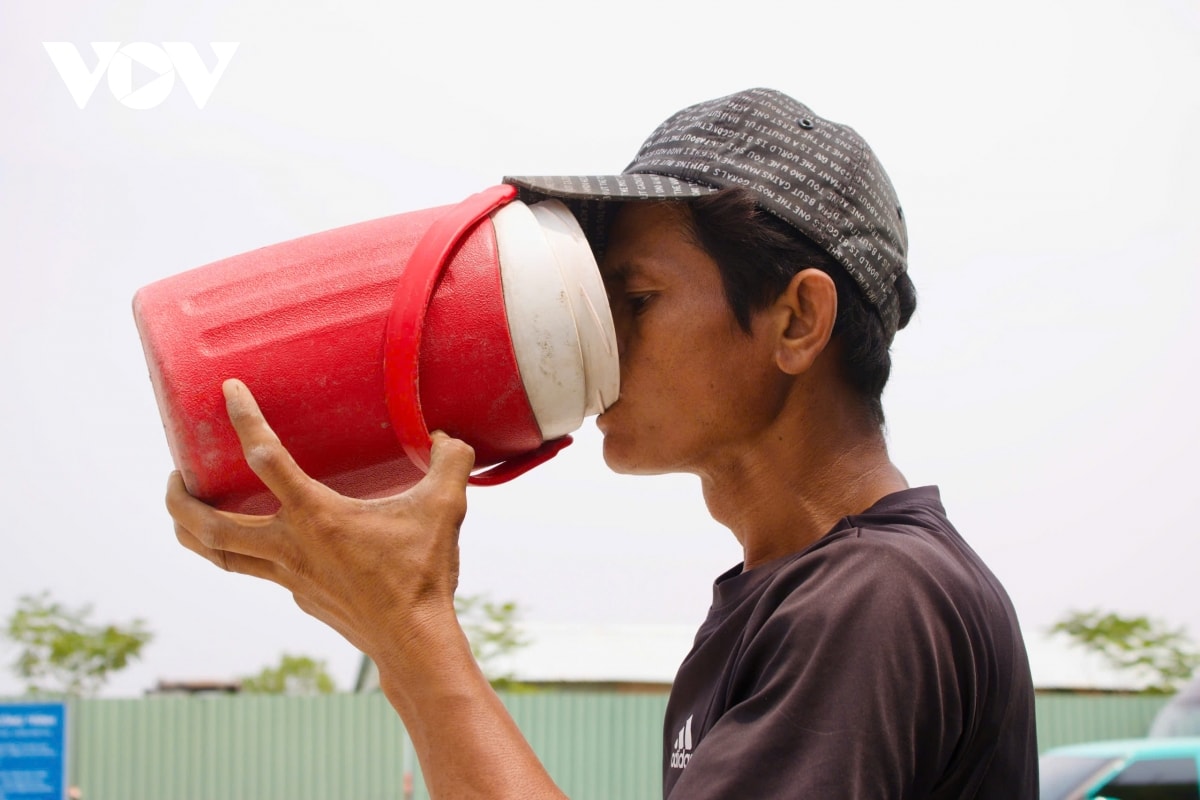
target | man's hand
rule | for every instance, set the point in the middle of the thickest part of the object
(383, 574)
(374, 570)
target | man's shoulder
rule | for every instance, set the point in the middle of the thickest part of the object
(907, 531)
(903, 550)
(902, 520)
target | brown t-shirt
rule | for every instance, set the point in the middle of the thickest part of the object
(884, 661)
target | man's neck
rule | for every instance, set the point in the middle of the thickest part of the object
(785, 493)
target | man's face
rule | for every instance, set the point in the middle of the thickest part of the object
(696, 390)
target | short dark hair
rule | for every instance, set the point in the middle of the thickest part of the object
(758, 253)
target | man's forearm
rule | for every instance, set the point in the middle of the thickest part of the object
(466, 741)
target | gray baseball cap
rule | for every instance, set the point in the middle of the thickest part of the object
(818, 176)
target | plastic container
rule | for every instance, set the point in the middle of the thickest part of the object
(487, 320)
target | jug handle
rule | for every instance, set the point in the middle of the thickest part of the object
(403, 342)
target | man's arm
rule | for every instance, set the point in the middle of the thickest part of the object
(383, 574)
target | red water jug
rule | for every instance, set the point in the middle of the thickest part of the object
(487, 320)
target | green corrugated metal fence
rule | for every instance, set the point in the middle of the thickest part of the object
(1070, 718)
(597, 745)
(237, 748)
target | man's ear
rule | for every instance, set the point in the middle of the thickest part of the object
(806, 311)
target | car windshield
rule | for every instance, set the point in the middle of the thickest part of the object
(1062, 777)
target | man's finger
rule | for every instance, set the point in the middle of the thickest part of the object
(223, 530)
(265, 454)
(235, 562)
(450, 460)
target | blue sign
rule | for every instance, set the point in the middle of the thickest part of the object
(33, 751)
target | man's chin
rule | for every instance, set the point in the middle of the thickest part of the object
(625, 461)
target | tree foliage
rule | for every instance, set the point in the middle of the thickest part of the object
(62, 652)
(494, 634)
(295, 675)
(1165, 656)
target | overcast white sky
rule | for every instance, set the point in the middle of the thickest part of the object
(1044, 152)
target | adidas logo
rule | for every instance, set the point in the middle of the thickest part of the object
(681, 753)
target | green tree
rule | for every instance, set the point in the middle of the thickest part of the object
(1166, 656)
(63, 652)
(493, 631)
(294, 675)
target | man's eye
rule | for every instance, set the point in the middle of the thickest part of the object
(637, 302)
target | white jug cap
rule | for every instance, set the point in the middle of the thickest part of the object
(558, 315)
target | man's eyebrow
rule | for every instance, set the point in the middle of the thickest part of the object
(625, 269)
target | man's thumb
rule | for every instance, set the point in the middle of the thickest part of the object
(450, 460)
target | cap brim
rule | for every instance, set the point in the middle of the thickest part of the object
(589, 196)
(631, 186)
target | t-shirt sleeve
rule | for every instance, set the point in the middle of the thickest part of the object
(848, 686)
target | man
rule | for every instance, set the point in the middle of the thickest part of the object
(755, 259)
